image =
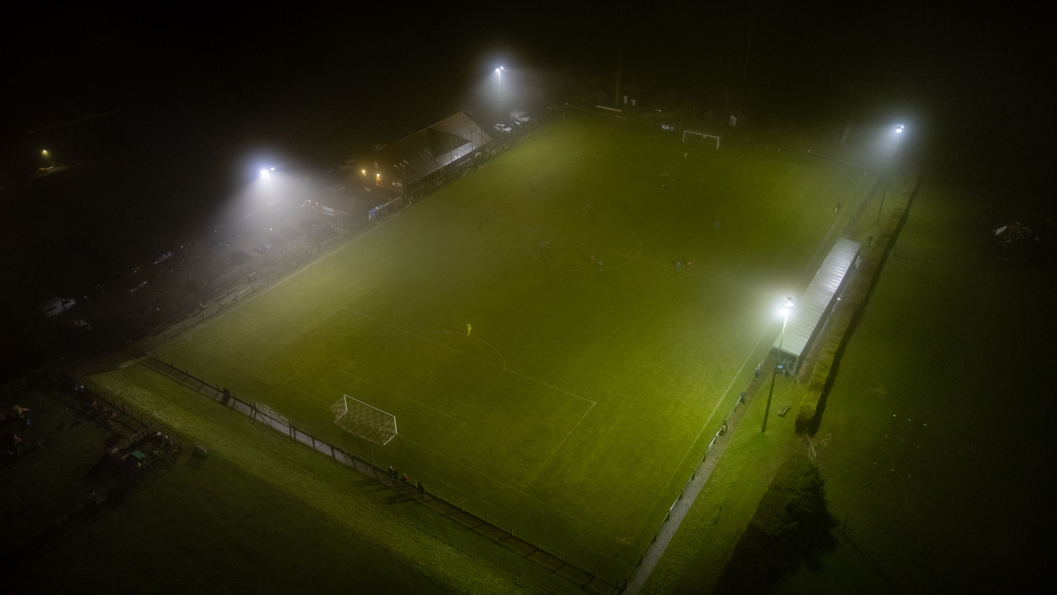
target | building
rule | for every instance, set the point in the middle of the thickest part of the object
(419, 158)
(815, 306)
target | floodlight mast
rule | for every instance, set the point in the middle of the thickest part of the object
(778, 357)
(897, 133)
(499, 91)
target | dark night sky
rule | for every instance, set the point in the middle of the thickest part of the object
(321, 78)
(204, 91)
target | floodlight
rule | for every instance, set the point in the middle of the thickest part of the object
(272, 168)
(787, 307)
(778, 358)
(264, 173)
(44, 152)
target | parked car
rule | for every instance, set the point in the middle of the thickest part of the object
(520, 117)
(162, 258)
(503, 128)
(56, 306)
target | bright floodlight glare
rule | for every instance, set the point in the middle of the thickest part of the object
(264, 173)
(44, 152)
(785, 309)
(273, 169)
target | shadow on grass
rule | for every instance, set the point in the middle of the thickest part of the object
(792, 527)
(196, 460)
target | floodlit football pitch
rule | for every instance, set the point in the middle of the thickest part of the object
(596, 370)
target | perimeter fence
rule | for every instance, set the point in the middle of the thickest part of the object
(730, 421)
(531, 550)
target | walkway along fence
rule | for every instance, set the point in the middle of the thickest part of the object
(746, 395)
(531, 550)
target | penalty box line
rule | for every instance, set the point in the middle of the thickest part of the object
(405, 397)
(507, 486)
(420, 337)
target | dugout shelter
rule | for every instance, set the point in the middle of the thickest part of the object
(811, 311)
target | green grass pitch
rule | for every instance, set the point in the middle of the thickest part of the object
(584, 395)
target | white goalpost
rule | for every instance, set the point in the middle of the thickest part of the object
(366, 421)
(700, 137)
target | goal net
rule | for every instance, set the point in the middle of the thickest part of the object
(363, 420)
(689, 136)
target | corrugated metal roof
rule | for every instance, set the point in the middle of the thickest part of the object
(432, 148)
(808, 311)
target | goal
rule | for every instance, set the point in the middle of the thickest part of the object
(689, 136)
(363, 420)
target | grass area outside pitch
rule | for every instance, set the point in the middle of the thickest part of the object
(575, 410)
(260, 514)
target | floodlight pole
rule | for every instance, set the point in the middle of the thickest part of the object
(884, 192)
(895, 147)
(499, 91)
(620, 59)
(778, 357)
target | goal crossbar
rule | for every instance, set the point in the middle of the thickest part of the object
(364, 420)
(703, 136)
(266, 410)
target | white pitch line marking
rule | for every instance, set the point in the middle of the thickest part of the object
(529, 378)
(784, 179)
(678, 467)
(556, 448)
(497, 352)
(511, 488)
